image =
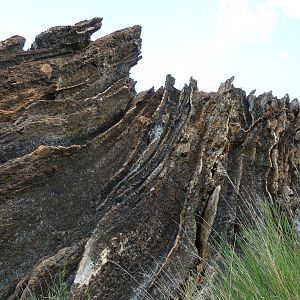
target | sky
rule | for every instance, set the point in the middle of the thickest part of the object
(257, 41)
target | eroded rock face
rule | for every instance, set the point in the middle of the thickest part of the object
(124, 189)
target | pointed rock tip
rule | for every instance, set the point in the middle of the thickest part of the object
(269, 93)
(76, 36)
(12, 44)
(170, 81)
(186, 87)
(230, 80)
(226, 86)
(92, 24)
(286, 97)
(294, 105)
(193, 83)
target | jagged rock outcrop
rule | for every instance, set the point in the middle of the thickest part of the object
(122, 190)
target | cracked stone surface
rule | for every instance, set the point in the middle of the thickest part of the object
(123, 189)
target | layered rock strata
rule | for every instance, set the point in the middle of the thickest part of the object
(122, 191)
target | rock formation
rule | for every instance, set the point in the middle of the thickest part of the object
(121, 190)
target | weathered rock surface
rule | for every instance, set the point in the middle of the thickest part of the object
(122, 190)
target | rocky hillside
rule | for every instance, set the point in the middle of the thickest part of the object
(121, 190)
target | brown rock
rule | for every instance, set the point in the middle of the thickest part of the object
(49, 271)
(12, 45)
(72, 37)
(142, 180)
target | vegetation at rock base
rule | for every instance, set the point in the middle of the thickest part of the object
(59, 290)
(268, 268)
(58, 293)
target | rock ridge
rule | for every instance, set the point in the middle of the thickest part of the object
(123, 190)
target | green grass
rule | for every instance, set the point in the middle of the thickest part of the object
(267, 266)
(59, 290)
(57, 293)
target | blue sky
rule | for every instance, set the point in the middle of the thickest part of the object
(257, 41)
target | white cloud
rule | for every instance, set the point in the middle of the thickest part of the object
(241, 19)
(283, 54)
(204, 13)
(248, 20)
(291, 8)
